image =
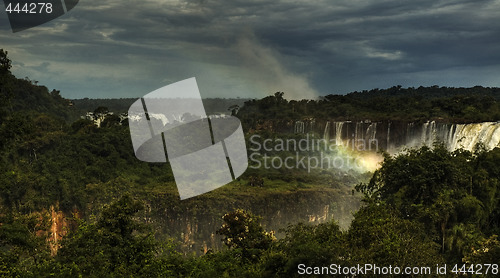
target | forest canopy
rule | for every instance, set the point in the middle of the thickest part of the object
(445, 104)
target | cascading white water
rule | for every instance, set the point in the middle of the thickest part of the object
(326, 133)
(356, 128)
(371, 132)
(432, 134)
(467, 136)
(338, 132)
(443, 132)
(299, 127)
(159, 117)
(423, 134)
(453, 136)
(371, 137)
(409, 132)
(429, 134)
(411, 135)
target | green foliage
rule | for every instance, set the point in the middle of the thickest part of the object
(115, 245)
(101, 110)
(312, 245)
(20, 247)
(242, 230)
(5, 63)
(486, 251)
(395, 104)
(453, 195)
(378, 235)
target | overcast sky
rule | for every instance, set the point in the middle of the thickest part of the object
(236, 48)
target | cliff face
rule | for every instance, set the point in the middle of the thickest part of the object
(60, 225)
(194, 221)
(54, 225)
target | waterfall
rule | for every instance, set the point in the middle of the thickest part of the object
(371, 136)
(466, 136)
(338, 132)
(371, 132)
(160, 117)
(409, 132)
(429, 133)
(299, 127)
(492, 136)
(454, 136)
(423, 134)
(451, 135)
(432, 134)
(356, 128)
(412, 135)
(442, 133)
(326, 133)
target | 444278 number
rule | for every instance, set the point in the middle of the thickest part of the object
(476, 269)
(29, 8)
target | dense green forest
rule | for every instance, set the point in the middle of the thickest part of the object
(451, 105)
(421, 208)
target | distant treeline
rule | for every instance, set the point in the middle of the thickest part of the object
(121, 105)
(459, 105)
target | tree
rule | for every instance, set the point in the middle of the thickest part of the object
(448, 193)
(234, 109)
(242, 230)
(101, 110)
(312, 245)
(379, 236)
(5, 63)
(115, 245)
(20, 247)
(5, 83)
(110, 120)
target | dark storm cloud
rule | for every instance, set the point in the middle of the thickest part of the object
(122, 48)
